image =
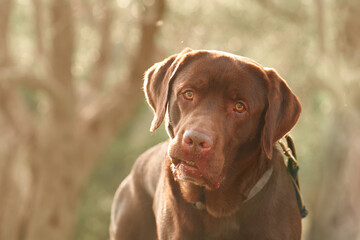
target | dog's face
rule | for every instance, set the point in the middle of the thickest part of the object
(213, 113)
(220, 107)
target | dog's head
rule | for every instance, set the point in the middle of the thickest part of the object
(219, 108)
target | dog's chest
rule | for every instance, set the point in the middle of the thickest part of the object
(221, 228)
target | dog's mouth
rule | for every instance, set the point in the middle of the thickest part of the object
(187, 171)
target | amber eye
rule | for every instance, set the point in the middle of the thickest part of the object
(188, 95)
(239, 107)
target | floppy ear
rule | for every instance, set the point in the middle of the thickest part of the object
(282, 112)
(157, 85)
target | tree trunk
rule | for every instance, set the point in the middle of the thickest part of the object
(5, 9)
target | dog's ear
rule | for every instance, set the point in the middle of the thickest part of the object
(157, 85)
(282, 112)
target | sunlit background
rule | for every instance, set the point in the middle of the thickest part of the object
(73, 117)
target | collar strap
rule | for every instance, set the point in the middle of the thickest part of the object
(260, 184)
(293, 169)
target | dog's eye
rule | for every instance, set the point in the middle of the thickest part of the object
(239, 107)
(188, 95)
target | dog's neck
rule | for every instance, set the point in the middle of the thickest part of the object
(260, 184)
(254, 173)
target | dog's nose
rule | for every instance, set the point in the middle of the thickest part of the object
(197, 141)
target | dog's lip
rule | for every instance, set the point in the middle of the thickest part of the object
(177, 161)
(187, 171)
(177, 164)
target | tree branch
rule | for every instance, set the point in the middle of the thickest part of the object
(4, 110)
(39, 26)
(55, 90)
(140, 61)
(15, 112)
(101, 65)
(5, 9)
(62, 43)
(107, 115)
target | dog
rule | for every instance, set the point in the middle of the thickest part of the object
(220, 175)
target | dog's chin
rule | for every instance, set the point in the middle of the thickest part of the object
(187, 172)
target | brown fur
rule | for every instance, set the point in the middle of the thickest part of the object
(226, 155)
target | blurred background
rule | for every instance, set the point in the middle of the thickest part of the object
(73, 117)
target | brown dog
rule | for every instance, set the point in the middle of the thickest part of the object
(220, 175)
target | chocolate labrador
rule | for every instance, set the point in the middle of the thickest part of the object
(220, 175)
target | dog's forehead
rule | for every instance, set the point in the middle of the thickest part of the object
(220, 67)
(224, 59)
